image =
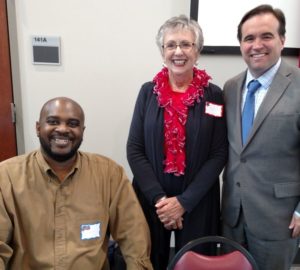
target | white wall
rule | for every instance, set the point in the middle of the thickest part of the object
(108, 50)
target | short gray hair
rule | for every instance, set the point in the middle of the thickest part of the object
(180, 22)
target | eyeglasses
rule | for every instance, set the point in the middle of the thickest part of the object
(183, 45)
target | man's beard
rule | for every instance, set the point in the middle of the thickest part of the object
(59, 157)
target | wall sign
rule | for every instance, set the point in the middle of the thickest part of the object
(46, 50)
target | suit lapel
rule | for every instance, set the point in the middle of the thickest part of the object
(275, 92)
(234, 97)
(238, 119)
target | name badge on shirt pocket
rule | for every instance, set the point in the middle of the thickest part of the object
(90, 231)
(214, 109)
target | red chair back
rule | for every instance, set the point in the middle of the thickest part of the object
(230, 261)
(228, 255)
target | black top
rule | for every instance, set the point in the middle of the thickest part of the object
(206, 149)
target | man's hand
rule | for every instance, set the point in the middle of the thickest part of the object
(295, 226)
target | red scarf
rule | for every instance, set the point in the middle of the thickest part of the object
(175, 116)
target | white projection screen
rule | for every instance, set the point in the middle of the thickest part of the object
(219, 20)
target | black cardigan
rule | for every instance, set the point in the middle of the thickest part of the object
(206, 147)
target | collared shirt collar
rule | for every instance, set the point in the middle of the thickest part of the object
(47, 169)
(266, 78)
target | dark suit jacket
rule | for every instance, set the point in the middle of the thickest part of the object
(264, 175)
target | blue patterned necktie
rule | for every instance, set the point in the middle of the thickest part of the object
(248, 111)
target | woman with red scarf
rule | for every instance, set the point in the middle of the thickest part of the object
(177, 144)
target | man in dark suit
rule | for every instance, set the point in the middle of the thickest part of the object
(261, 190)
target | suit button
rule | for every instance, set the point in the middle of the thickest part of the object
(243, 160)
(238, 184)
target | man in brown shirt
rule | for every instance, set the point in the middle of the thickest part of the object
(59, 206)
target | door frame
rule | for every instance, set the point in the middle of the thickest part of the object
(8, 141)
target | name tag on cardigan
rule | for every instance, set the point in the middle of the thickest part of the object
(214, 109)
(90, 231)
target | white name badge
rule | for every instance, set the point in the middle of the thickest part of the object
(213, 109)
(90, 231)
